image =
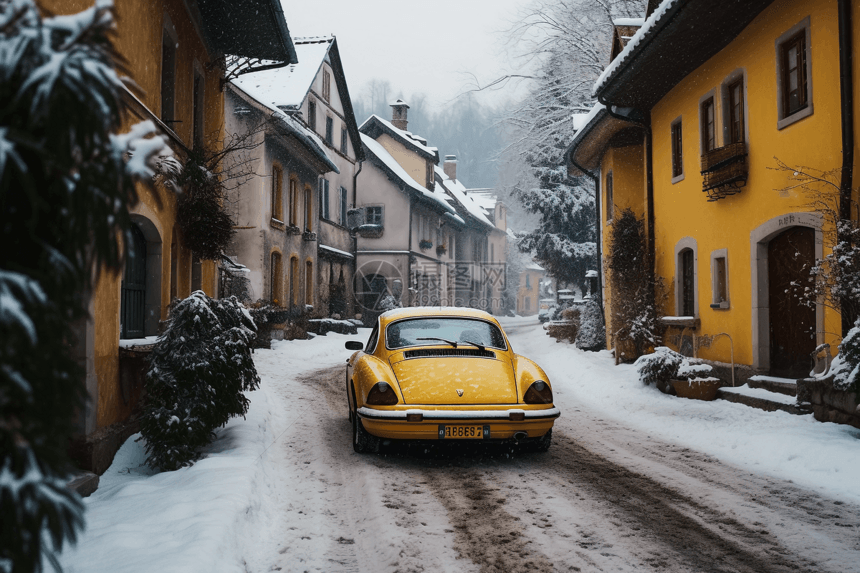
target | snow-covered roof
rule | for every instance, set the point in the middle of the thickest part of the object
(628, 21)
(336, 251)
(419, 144)
(485, 198)
(584, 122)
(399, 101)
(458, 192)
(287, 87)
(648, 27)
(308, 137)
(376, 149)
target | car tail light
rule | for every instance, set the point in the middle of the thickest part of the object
(381, 395)
(538, 393)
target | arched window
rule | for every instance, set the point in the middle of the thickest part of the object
(309, 282)
(309, 209)
(294, 202)
(294, 278)
(275, 280)
(133, 301)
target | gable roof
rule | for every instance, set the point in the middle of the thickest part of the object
(375, 125)
(290, 126)
(287, 88)
(458, 192)
(676, 38)
(380, 157)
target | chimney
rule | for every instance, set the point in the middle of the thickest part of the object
(450, 167)
(398, 114)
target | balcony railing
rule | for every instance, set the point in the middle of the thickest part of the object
(724, 171)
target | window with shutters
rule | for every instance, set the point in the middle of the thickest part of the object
(736, 129)
(709, 131)
(277, 193)
(324, 199)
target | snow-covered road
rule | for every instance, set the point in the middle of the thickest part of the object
(615, 492)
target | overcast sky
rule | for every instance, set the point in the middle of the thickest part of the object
(418, 46)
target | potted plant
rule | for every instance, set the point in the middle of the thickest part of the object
(441, 250)
(425, 244)
(673, 373)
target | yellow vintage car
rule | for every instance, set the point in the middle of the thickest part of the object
(445, 374)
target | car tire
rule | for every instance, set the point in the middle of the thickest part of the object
(348, 397)
(362, 441)
(543, 443)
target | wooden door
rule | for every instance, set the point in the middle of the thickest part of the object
(792, 324)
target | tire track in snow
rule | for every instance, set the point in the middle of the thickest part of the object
(703, 538)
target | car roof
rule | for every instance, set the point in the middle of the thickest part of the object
(419, 311)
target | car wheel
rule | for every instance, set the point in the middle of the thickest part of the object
(543, 443)
(362, 440)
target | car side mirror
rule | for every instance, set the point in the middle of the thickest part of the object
(354, 345)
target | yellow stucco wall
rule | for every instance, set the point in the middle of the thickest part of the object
(681, 209)
(139, 33)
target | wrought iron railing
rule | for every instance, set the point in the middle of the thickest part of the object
(724, 170)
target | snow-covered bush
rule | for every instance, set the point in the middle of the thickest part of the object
(67, 179)
(592, 333)
(199, 370)
(658, 367)
(664, 364)
(846, 365)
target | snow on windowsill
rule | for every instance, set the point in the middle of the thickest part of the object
(135, 342)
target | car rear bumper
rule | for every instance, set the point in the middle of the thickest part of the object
(457, 415)
(393, 424)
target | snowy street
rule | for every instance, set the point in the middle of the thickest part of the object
(283, 490)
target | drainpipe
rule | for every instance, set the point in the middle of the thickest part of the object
(847, 101)
(354, 234)
(597, 228)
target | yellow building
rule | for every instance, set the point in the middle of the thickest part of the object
(175, 52)
(697, 112)
(528, 295)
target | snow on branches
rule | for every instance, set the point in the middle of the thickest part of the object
(199, 370)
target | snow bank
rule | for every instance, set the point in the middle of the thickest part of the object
(820, 456)
(200, 518)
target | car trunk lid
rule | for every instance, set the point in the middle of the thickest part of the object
(439, 379)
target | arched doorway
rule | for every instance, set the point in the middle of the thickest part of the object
(791, 255)
(133, 289)
(780, 249)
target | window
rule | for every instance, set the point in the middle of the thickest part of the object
(329, 130)
(197, 112)
(344, 140)
(720, 278)
(736, 111)
(373, 215)
(324, 199)
(528, 282)
(309, 209)
(277, 194)
(312, 115)
(688, 282)
(610, 206)
(309, 283)
(294, 278)
(326, 85)
(294, 202)
(794, 74)
(677, 152)
(709, 140)
(343, 207)
(168, 78)
(275, 279)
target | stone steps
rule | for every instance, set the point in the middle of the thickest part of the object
(773, 402)
(785, 386)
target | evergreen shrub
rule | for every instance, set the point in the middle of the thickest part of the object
(199, 370)
(592, 332)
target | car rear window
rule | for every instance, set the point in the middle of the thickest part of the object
(407, 332)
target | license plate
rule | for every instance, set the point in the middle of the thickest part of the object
(463, 432)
